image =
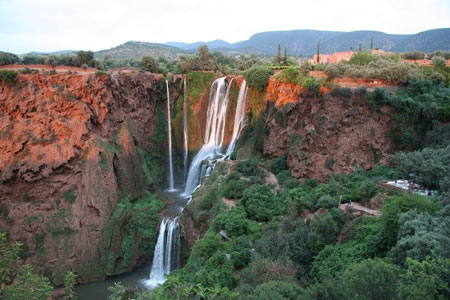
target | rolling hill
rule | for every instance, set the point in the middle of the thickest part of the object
(136, 50)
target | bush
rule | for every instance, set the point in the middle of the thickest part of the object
(7, 58)
(261, 204)
(278, 164)
(149, 64)
(249, 167)
(439, 62)
(234, 189)
(393, 207)
(257, 77)
(233, 221)
(8, 75)
(414, 55)
(26, 71)
(362, 58)
(290, 74)
(277, 290)
(261, 270)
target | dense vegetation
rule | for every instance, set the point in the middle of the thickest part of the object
(298, 242)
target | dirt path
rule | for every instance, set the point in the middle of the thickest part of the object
(272, 179)
(230, 202)
(354, 206)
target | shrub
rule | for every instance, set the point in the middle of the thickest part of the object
(8, 75)
(234, 189)
(278, 164)
(327, 202)
(438, 62)
(261, 270)
(149, 64)
(100, 73)
(393, 207)
(414, 55)
(370, 279)
(362, 58)
(7, 58)
(277, 290)
(261, 204)
(290, 74)
(233, 221)
(26, 71)
(257, 77)
(249, 167)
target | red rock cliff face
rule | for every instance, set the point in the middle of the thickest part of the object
(327, 134)
(71, 148)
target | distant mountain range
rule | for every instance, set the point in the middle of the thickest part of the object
(297, 42)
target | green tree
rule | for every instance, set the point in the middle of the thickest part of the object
(85, 57)
(318, 53)
(149, 64)
(206, 58)
(7, 58)
(69, 286)
(29, 286)
(51, 60)
(257, 77)
(428, 279)
(285, 61)
(261, 204)
(438, 62)
(371, 279)
(278, 60)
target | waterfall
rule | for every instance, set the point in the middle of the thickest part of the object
(167, 252)
(169, 128)
(214, 134)
(185, 132)
(239, 118)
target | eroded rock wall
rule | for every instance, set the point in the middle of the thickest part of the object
(73, 146)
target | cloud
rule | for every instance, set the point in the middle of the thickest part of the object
(49, 25)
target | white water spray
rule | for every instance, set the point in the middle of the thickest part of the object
(169, 129)
(239, 117)
(214, 134)
(167, 252)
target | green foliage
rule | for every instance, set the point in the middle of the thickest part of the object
(278, 164)
(428, 279)
(414, 55)
(257, 77)
(262, 269)
(362, 58)
(233, 221)
(422, 235)
(176, 289)
(249, 167)
(329, 163)
(8, 75)
(129, 219)
(429, 167)
(291, 74)
(28, 286)
(370, 279)
(69, 286)
(287, 242)
(393, 207)
(325, 229)
(261, 204)
(234, 189)
(439, 62)
(276, 290)
(70, 196)
(149, 64)
(7, 58)
(84, 58)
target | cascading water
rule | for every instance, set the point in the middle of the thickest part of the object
(167, 252)
(169, 129)
(185, 132)
(239, 118)
(214, 134)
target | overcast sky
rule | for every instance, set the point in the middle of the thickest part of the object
(50, 25)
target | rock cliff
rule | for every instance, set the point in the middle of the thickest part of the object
(72, 147)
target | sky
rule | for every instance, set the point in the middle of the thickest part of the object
(52, 25)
